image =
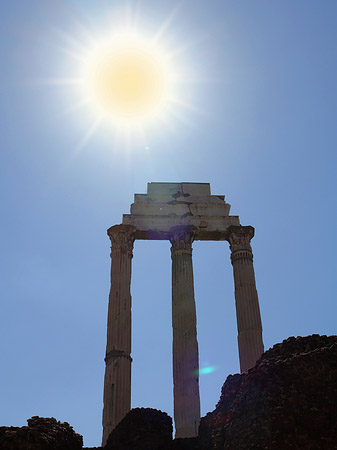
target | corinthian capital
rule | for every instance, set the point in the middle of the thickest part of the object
(181, 238)
(239, 238)
(122, 237)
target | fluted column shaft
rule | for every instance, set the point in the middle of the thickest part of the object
(117, 380)
(246, 299)
(185, 344)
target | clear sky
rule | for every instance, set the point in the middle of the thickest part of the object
(255, 116)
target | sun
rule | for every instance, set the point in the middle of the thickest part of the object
(127, 79)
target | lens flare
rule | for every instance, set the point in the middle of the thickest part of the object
(206, 370)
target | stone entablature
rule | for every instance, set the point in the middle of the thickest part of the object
(168, 205)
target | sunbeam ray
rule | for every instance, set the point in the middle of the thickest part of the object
(61, 81)
(75, 107)
(87, 136)
(164, 27)
(188, 106)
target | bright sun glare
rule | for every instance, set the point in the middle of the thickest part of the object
(127, 79)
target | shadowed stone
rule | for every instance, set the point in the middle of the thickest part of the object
(41, 434)
(142, 429)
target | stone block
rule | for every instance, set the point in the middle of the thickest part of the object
(166, 205)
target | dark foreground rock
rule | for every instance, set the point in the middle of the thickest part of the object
(288, 401)
(40, 434)
(142, 429)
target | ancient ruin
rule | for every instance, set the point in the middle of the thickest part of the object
(288, 400)
(180, 213)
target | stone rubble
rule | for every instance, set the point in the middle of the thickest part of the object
(287, 401)
(40, 434)
(142, 429)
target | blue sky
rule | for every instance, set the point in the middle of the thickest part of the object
(261, 128)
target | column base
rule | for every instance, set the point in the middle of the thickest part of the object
(187, 432)
(106, 433)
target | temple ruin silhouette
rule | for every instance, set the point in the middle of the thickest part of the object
(181, 213)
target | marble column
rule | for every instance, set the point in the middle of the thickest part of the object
(185, 344)
(246, 299)
(117, 380)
